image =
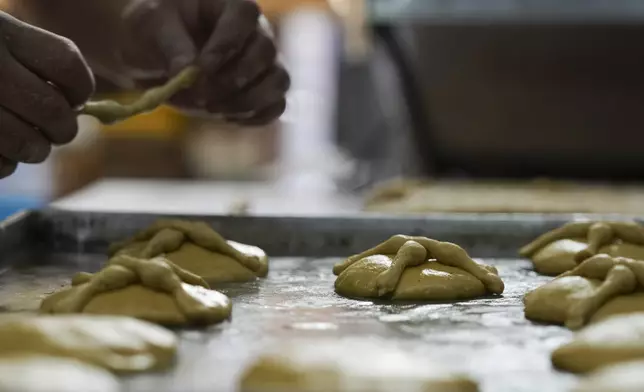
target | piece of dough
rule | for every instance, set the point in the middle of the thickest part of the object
(617, 339)
(155, 290)
(197, 248)
(428, 281)
(595, 289)
(551, 302)
(557, 257)
(561, 249)
(118, 344)
(321, 366)
(624, 304)
(622, 377)
(415, 268)
(49, 374)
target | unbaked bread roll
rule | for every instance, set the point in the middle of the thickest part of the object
(563, 248)
(155, 290)
(197, 248)
(599, 287)
(49, 374)
(415, 268)
(617, 339)
(118, 344)
(622, 377)
(341, 366)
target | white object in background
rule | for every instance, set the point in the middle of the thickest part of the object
(309, 43)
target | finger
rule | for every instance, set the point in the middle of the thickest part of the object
(20, 141)
(265, 116)
(53, 58)
(189, 100)
(37, 102)
(7, 167)
(270, 90)
(259, 56)
(158, 24)
(200, 18)
(236, 25)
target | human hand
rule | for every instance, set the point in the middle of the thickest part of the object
(43, 78)
(241, 77)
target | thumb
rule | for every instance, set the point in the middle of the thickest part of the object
(157, 25)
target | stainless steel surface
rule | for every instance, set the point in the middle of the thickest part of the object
(485, 235)
(488, 338)
(514, 11)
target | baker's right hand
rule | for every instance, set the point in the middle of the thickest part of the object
(43, 79)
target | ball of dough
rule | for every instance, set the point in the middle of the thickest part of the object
(557, 257)
(119, 344)
(550, 303)
(322, 366)
(48, 374)
(617, 339)
(622, 377)
(154, 306)
(430, 281)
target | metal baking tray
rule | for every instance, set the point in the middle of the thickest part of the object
(487, 338)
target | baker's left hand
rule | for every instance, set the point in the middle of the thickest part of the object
(241, 76)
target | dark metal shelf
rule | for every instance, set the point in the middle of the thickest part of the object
(506, 11)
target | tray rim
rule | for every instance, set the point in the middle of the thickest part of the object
(481, 234)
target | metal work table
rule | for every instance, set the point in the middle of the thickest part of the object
(201, 197)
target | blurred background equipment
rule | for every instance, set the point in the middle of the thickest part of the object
(498, 89)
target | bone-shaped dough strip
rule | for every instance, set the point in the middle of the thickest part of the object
(110, 112)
